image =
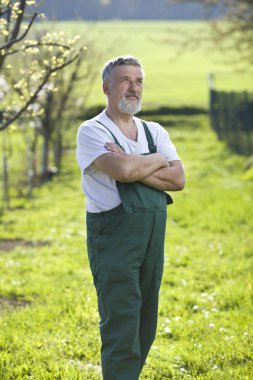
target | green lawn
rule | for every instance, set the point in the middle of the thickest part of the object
(171, 79)
(48, 314)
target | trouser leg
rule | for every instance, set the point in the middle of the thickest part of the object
(119, 305)
(127, 267)
(115, 247)
(150, 281)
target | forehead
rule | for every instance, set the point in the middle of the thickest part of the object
(128, 70)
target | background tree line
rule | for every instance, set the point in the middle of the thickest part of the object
(120, 9)
(233, 35)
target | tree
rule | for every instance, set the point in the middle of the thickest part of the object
(15, 24)
(232, 31)
(21, 84)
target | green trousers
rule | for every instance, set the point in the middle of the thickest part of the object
(126, 258)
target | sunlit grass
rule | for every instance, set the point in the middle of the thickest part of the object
(48, 309)
(174, 76)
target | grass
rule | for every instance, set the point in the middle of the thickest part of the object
(172, 79)
(48, 307)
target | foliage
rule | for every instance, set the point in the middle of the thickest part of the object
(48, 308)
(19, 94)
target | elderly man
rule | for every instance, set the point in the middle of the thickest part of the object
(127, 165)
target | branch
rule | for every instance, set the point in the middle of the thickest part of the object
(68, 90)
(37, 45)
(18, 22)
(31, 100)
(12, 42)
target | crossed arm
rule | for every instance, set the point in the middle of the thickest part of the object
(153, 170)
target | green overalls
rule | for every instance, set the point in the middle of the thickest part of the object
(126, 249)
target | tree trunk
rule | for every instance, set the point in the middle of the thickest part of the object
(6, 184)
(58, 148)
(47, 131)
(45, 156)
(32, 165)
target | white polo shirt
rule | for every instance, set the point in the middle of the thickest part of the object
(100, 189)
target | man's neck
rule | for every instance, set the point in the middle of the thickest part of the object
(124, 122)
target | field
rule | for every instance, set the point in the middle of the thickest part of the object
(48, 311)
(48, 304)
(172, 79)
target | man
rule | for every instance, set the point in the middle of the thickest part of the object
(126, 166)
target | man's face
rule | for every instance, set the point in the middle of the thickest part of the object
(125, 89)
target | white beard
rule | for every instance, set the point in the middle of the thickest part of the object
(129, 107)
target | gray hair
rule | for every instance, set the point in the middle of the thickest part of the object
(122, 60)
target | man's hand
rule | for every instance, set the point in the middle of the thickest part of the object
(114, 148)
(128, 167)
(169, 178)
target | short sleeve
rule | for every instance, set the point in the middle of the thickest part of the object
(164, 144)
(91, 140)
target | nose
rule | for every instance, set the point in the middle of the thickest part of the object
(132, 85)
(133, 88)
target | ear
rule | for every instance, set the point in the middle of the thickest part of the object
(106, 87)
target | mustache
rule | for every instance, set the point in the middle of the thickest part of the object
(132, 93)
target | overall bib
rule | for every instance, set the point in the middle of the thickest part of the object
(126, 250)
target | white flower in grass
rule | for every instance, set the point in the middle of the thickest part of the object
(195, 307)
(206, 313)
(229, 337)
(167, 330)
(212, 325)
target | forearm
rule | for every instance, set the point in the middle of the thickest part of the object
(169, 178)
(130, 168)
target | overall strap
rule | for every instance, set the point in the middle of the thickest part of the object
(114, 137)
(151, 144)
